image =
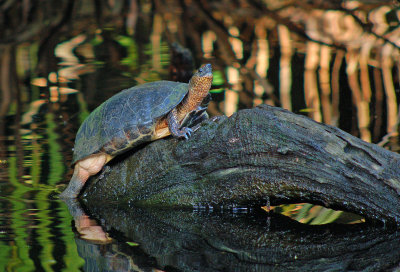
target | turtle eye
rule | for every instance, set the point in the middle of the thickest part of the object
(205, 69)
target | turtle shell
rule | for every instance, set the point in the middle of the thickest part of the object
(127, 119)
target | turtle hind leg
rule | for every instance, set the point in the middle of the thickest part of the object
(82, 171)
(74, 186)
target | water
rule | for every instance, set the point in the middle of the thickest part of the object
(53, 75)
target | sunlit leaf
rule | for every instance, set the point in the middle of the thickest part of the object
(307, 110)
(219, 90)
(218, 78)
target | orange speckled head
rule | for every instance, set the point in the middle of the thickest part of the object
(201, 81)
(199, 85)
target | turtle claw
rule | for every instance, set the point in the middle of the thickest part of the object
(187, 132)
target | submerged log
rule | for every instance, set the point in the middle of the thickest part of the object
(177, 240)
(255, 157)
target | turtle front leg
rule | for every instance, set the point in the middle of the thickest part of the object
(196, 121)
(174, 126)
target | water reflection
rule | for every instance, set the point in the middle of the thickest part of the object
(32, 235)
(337, 62)
(193, 241)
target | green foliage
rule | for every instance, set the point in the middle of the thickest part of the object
(131, 48)
(57, 167)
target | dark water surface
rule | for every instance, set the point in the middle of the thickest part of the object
(337, 63)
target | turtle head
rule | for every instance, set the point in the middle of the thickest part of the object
(200, 83)
(205, 71)
(198, 89)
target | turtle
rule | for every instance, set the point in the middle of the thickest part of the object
(134, 116)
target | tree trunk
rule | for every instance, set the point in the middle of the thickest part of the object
(258, 156)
